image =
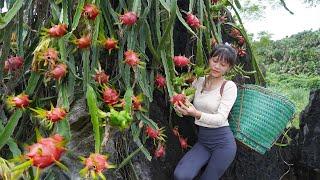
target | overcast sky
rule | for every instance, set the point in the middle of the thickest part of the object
(281, 23)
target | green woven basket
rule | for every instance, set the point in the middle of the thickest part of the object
(259, 116)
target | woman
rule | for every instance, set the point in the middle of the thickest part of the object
(216, 145)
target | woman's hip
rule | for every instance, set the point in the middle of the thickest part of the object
(216, 137)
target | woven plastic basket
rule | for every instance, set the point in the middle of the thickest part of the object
(259, 117)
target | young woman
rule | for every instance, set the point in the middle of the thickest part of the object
(216, 145)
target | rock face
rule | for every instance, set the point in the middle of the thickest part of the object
(251, 165)
(309, 138)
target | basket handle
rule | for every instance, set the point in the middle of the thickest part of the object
(240, 113)
(285, 135)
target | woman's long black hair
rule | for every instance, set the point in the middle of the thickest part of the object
(224, 53)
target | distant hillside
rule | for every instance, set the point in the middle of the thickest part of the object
(296, 59)
(292, 65)
(297, 54)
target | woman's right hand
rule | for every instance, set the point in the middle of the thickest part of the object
(177, 110)
(188, 110)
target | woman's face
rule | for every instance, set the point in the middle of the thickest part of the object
(218, 68)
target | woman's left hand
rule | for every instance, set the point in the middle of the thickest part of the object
(188, 109)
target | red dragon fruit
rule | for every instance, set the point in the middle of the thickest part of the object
(193, 21)
(160, 81)
(56, 114)
(58, 30)
(128, 18)
(155, 133)
(56, 141)
(46, 151)
(83, 42)
(13, 63)
(90, 11)
(110, 96)
(178, 98)
(101, 77)
(160, 151)
(175, 131)
(110, 44)
(131, 58)
(49, 117)
(20, 101)
(95, 164)
(241, 52)
(183, 142)
(59, 71)
(181, 61)
(152, 133)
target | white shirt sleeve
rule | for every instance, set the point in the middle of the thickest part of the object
(220, 118)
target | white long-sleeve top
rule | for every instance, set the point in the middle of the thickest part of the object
(214, 107)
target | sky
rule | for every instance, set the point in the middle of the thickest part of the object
(281, 23)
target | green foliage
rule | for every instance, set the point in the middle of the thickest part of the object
(95, 114)
(251, 10)
(295, 88)
(298, 54)
(4, 21)
(304, 81)
(8, 130)
(292, 65)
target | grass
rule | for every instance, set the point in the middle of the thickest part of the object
(295, 88)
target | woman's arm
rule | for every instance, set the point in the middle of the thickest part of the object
(217, 119)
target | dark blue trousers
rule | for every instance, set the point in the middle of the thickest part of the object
(216, 148)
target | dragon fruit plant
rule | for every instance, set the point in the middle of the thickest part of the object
(110, 57)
